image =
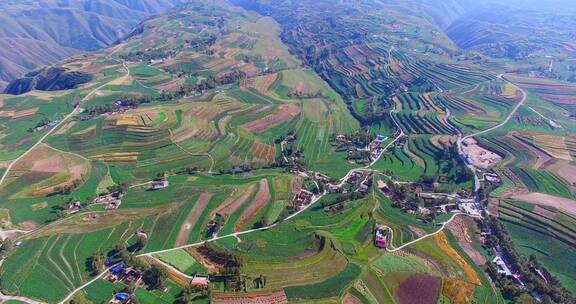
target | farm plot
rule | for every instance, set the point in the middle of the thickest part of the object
(284, 113)
(325, 263)
(45, 171)
(551, 242)
(49, 268)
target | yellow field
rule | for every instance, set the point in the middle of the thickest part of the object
(509, 91)
(116, 156)
(127, 120)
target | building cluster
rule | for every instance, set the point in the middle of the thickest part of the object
(110, 200)
(46, 126)
(302, 199)
(375, 147)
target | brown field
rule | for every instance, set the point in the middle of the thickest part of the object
(192, 218)
(262, 197)
(418, 289)
(210, 266)
(24, 113)
(127, 120)
(171, 85)
(234, 202)
(264, 83)
(568, 172)
(555, 146)
(350, 299)
(460, 230)
(264, 297)
(459, 292)
(417, 231)
(549, 214)
(284, 113)
(45, 159)
(542, 158)
(222, 123)
(565, 204)
(263, 151)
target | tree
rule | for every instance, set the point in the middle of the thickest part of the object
(97, 263)
(155, 277)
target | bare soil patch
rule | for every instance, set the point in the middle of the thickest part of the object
(266, 297)
(234, 202)
(549, 214)
(480, 156)
(350, 299)
(262, 197)
(459, 229)
(284, 113)
(568, 172)
(171, 85)
(192, 218)
(25, 113)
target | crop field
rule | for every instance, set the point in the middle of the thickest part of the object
(544, 232)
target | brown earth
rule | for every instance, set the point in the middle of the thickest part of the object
(171, 85)
(284, 113)
(192, 218)
(549, 214)
(262, 197)
(460, 230)
(568, 172)
(350, 299)
(265, 297)
(234, 202)
(480, 156)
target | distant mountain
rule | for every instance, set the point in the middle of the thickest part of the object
(39, 32)
(47, 79)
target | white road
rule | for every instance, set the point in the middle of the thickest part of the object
(427, 235)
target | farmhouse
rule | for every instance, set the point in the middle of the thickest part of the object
(332, 188)
(121, 297)
(502, 267)
(354, 177)
(123, 274)
(110, 200)
(303, 198)
(74, 206)
(200, 282)
(159, 184)
(381, 236)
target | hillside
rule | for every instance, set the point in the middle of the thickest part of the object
(36, 33)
